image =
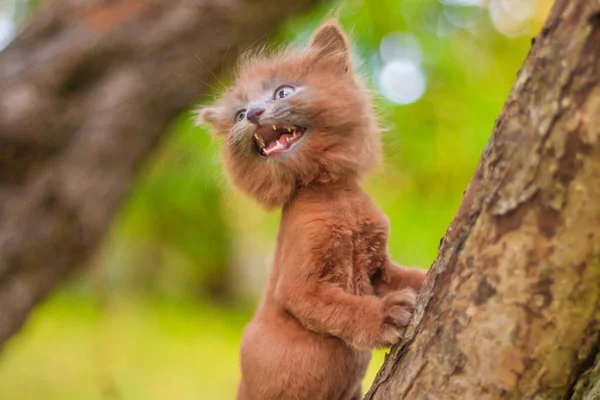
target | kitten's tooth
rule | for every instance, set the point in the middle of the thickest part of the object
(294, 134)
(260, 140)
(274, 128)
(289, 130)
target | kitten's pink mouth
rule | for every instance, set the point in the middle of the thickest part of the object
(277, 139)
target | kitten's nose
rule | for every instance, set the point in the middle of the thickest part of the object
(253, 114)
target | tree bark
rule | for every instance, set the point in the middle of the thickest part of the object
(511, 306)
(86, 91)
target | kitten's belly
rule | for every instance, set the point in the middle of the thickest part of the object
(282, 360)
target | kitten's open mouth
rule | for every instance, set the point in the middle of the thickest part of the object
(277, 139)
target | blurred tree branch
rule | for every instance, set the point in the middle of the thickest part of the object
(86, 91)
(511, 306)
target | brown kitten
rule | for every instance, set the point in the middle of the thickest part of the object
(299, 132)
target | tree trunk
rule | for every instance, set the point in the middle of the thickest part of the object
(86, 91)
(511, 306)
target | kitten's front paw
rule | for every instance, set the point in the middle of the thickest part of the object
(396, 308)
(387, 320)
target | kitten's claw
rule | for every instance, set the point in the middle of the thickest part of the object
(396, 310)
(389, 322)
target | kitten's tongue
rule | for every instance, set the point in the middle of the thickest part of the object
(279, 142)
(283, 138)
(278, 146)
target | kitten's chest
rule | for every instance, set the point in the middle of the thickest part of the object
(369, 250)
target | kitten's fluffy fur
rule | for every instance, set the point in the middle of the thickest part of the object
(334, 293)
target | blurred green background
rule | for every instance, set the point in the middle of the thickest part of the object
(158, 314)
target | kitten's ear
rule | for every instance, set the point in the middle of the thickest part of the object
(329, 41)
(208, 116)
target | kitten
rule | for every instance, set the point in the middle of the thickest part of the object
(299, 131)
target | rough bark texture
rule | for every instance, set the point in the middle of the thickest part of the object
(86, 90)
(511, 307)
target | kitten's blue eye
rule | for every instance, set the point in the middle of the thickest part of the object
(283, 92)
(240, 116)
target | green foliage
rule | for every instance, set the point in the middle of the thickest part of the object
(172, 238)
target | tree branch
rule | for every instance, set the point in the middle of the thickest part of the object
(511, 307)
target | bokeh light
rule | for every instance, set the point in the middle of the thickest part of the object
(464, 17)
(12, 15)
(7, 29)
(402, 81)
(468, 3)
(400, 46)
(512, 17)
(400, 77)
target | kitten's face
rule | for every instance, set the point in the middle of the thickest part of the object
(295, 118)
(269, 117)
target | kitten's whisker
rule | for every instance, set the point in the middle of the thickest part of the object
(264, 45)
(212, 96)
(200, 80)
(187, 152)
(209, 70)
(196, 172)
(225, 56)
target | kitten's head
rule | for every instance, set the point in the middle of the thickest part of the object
(296, 118)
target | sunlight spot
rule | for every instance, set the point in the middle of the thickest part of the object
(399, 73)
(466, 3)
(512, 17)
(400, 46)
(7, 30)
(402, 81)
(464, 17)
